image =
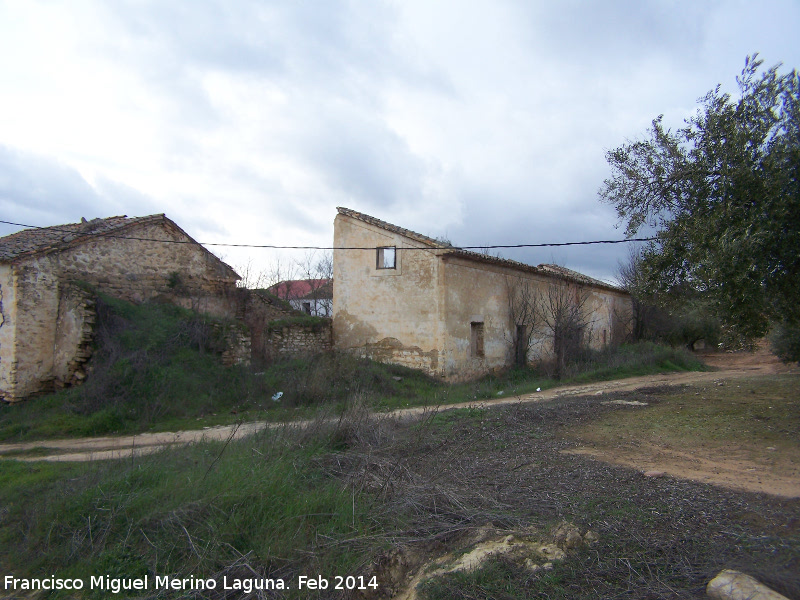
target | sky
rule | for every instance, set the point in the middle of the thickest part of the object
(483, 122)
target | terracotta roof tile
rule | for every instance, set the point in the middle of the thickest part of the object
(297, 289)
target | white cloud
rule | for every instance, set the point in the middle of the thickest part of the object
(249, 121)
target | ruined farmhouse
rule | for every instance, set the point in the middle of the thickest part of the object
(408, 299)
(46, 312)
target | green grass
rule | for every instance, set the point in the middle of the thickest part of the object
(320, 500)
(157, 367)
(764, 411)
(196, 510)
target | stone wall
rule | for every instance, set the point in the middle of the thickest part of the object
(74, 336)
(237, 346)
(45, 319)
(257, 311)
(34, 319)
(8, 326)
(297, 340)
(146, 268)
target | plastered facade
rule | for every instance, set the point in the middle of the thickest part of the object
(46, 319)
(423, 313)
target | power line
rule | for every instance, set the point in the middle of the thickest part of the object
(275, 247)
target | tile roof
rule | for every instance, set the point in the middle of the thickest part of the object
(45, 239)
(298, 289)
(544, 269)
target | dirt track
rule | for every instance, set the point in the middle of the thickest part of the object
(729, 365)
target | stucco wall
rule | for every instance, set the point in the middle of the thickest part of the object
(478, 292)
(475, 293)
(390, 315)
(424, 313)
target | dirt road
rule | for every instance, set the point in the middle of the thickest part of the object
(729, 365)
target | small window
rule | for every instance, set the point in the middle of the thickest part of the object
(387, 256)
(307, 307)
(476, 343)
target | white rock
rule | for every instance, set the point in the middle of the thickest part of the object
(733, 585)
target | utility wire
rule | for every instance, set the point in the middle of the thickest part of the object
(275, 247)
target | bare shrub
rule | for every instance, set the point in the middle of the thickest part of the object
(565, 316)
(525, 317)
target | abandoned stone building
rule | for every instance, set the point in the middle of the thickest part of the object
(408, 299)
(46, 314)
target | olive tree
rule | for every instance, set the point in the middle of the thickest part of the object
(723, 193)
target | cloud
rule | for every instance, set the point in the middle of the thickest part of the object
(39, 191)
(248, 121)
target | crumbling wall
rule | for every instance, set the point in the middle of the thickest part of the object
(34, 318)
(73, 336)
(237, 346)
(146, 268)
(257, 311)
(293, 339)
(8, 324)
(391, 350)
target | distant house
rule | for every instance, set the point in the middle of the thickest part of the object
(46, 314)
(409, 299)
(309, 296)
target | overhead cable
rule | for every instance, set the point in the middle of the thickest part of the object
(277, 247)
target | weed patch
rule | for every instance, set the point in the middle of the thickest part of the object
(157, 367)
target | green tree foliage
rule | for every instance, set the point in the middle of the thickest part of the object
(723, 193)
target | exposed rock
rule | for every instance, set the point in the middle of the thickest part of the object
(567, 536)
(591, 537)
(733, 585)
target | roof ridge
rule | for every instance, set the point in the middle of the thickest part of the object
(34, 240)
(390, 227)
(543, 269)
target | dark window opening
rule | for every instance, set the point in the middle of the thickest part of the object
(307, 307)
(476, 342)
(521, 350)
(387, 257)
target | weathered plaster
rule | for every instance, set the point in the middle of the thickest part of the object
(421, 314)
(391, 314)
(8, 309)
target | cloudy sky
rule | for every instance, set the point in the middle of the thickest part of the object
(481, 121)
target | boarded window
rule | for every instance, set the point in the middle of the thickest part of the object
(387, 257)
(476, 344)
